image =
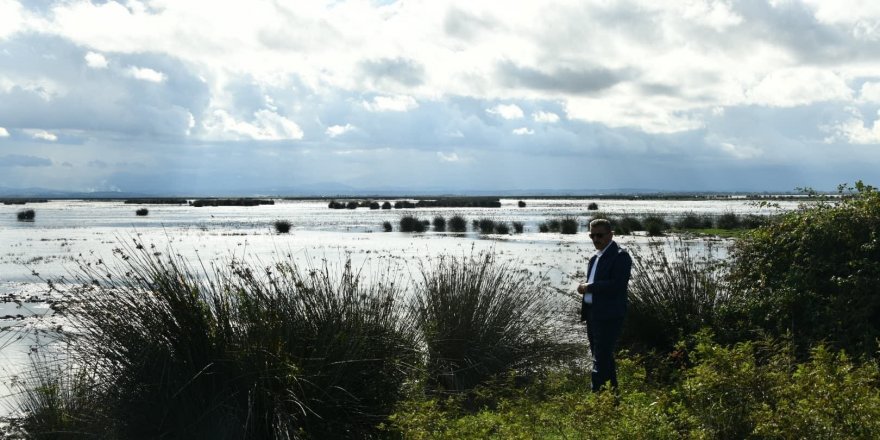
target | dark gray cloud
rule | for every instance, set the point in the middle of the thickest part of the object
(17, 160)
(562, 79)
(403, 71)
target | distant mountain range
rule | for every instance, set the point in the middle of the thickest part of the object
(340, 190)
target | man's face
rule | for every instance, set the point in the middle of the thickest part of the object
(601, 236)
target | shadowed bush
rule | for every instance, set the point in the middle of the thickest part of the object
(439, 224)
(410, 223)
(728, 220)
(386, 205)
(479, 318)
(502, 228)
(693, 221)
(521, 204)
(457, 223)
(374, 205)
(282, 226)
(518, 227)
(238, 352)
(627, 225)
(26, 215)
(544, 227)
(386, 226)
(142, 212)
(593, 206)
(655, 225)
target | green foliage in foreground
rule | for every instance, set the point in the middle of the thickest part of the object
(749, 390)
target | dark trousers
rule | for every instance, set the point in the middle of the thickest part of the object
(603, 335)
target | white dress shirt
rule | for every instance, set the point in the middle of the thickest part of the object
(588, 297)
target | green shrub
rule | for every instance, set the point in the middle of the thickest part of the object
(814, 273)
(693, 221)
(480, 318)
(627, 225)
(457, 224)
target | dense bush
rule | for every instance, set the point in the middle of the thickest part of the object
(374, 205)
(26, 215)
(814, 273)
(142, 212)
(386, 205)
(544, 227)
(521, 204)
(410, 223)
(593, 206)
(502, 228)
(749, 390)
(627, 225)
(386, 226)
(480, 318)
(439, 224)
(282, 226)
(457, 223)
(351, 205)
(693, 221)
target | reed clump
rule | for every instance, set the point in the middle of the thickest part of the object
(142, 212)
(457, 224)
(26, 215)
(282, 226)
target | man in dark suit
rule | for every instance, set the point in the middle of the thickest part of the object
(604, 301)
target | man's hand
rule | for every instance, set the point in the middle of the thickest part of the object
(582, 289)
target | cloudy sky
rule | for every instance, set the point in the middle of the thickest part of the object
(209, 96)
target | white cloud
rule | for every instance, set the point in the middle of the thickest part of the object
(399, 103)
(3, 133)
(96, 60)
(338, 130)
(10, 18)
(741, 151)
(266, 126)
(855, 131)
(451, 157)
(146, 74)
(522, 131)
(42, 135)
(506, 111)
(799, 86)
(548, 117)
(870, 92)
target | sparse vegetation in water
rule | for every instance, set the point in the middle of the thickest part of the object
(655, 225)
(439, 224)
(153, 201)
(627, 225)
(409, 223)
(518, 227)
(282, 226)
(457, 224)
(142, 212)
(502, 228)
(386, 226)
(26, 215)
(231, 202)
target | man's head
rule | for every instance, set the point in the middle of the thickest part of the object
(601, 233)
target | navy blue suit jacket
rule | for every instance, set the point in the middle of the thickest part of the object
(609, 284)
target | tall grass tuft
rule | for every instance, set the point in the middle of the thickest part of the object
(568, 225)
(672, 294)
(487, 225)
(518, 227)
(458, 224)
(237, 351)
(439, 224)
(479, 318)
(409, 223)
(282, 226)
(26, 215)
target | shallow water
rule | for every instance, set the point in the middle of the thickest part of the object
(65, 233)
